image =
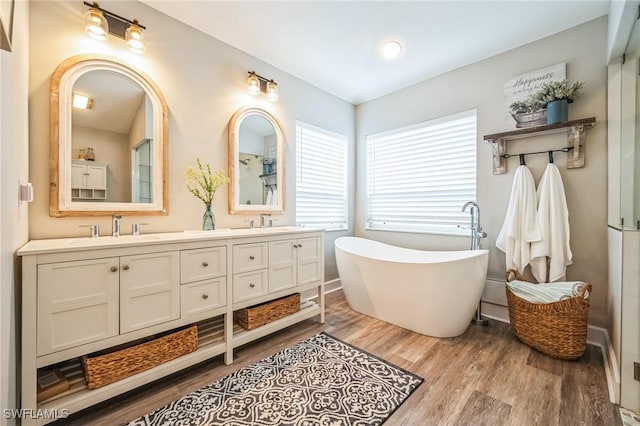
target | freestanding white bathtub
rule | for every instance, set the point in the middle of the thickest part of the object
(430, 292)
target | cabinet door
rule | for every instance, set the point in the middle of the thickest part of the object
(149, 290)
(96, 177)
(77, 303)
(309, 260)
(77, 176)
(282, 265)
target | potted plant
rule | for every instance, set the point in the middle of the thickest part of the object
(528, 113)
(555, 97)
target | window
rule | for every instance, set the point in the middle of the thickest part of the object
(419, 177)
(321, 177)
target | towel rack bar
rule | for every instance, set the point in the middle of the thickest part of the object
(549, 151)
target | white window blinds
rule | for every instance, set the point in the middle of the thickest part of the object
(419, 177)
(321, 177)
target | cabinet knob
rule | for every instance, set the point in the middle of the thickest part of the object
(205, 296)
(114, 269)
(205, 264)
(252, 257)
(252, 285)
(299, 245)
(125, 267)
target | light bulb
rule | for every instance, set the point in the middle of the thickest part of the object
(133, 36)
(253, 84)
(272, 91)
(391, 49)
(95, 24)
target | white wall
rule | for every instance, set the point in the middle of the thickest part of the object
(480, 86)
(204, 82)
(14, 170)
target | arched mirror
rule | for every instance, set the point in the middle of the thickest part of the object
(256, 162)
(108, 151)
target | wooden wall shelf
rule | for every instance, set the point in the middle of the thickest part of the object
(576, 139)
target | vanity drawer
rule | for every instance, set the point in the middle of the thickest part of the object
(249, 257)
(249, 285)
(202, 264)
(203, 296)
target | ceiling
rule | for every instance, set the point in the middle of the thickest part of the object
(116, 99)
(336, 45)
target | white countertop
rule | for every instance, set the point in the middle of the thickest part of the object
(79, 243)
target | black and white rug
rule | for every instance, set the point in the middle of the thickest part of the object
(319, 381)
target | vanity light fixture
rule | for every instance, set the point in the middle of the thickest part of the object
(82, 102)
(257, 83)
(133, 36)
(99, 22)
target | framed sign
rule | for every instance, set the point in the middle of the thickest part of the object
(519, 88)
(6, 23)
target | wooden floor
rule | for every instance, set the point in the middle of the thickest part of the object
(484, 377)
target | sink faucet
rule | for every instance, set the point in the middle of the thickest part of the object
(263, 218)
(115, 228)
(477, 234)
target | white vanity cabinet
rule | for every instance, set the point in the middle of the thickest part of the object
(78, 303)
(149, 290)
(294, 262)
(88, 180)
(81, 296)
(203, 278)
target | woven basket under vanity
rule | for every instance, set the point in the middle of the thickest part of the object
(255, 316)
(109, 368)
(558, 329)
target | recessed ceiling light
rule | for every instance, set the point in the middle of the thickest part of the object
(391, 49)
(82, 102)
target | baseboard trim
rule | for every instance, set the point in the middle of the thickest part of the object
(598, 336)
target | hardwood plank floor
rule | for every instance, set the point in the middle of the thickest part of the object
(484, 377)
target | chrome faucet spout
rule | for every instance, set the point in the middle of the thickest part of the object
(475, 213)
(476, 230)
(116, 225)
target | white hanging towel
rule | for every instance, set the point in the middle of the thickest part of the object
(274, 198)
(553, 218)
(269, 198)
(520, 226)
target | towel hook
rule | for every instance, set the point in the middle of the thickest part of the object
(550, 156)
(522, 160)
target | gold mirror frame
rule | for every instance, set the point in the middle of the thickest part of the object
(234, 158)
(60, 114)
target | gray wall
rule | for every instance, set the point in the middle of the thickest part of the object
(480, 86)
(204, 82)
(14, 162)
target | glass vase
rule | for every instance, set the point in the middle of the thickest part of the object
(208, 219)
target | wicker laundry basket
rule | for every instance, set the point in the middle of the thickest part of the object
(558, 329)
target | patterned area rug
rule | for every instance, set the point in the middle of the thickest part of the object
(319, 381)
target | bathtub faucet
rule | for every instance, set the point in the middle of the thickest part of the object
(477, 234)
